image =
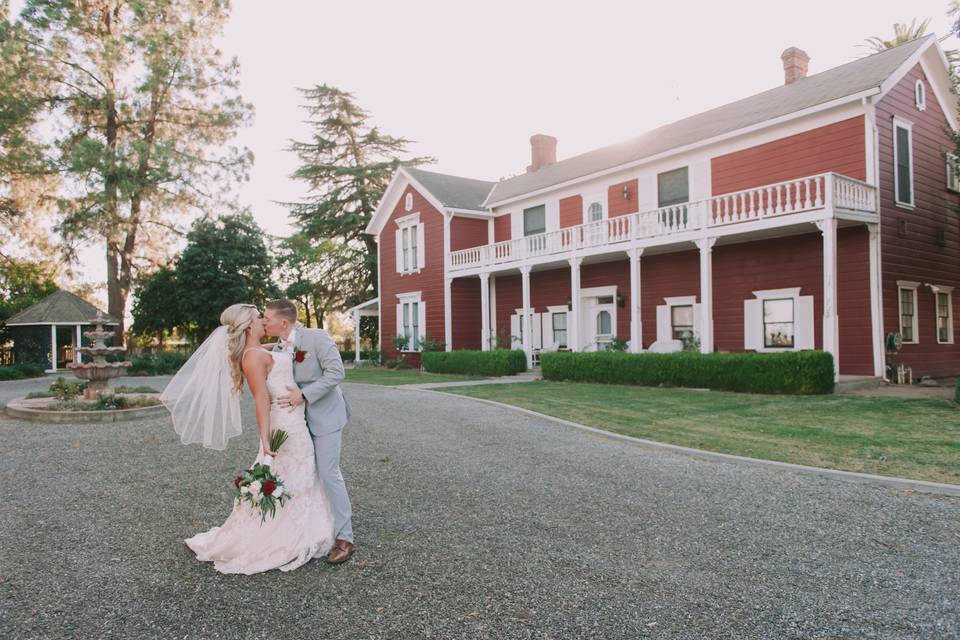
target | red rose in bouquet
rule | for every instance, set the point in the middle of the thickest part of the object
(268, 488)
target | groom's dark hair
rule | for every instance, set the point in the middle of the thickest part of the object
(286, 309)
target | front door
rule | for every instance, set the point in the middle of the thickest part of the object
(599, 321)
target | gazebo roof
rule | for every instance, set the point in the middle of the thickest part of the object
(61, 307)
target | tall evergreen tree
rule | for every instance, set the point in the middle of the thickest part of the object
(225, 262)
(143, 105)
(347, 165)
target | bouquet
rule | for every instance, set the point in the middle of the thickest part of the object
(260, 487)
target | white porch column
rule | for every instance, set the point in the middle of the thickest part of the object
(356, 336)
(706, 294)
(828, 227)
(876, 304)
(485, 311)
(573, 318)
(77, 354)
(636, 323)
(527, 329)
(447, 313)
(53, 349)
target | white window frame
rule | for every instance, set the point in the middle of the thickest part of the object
(911, 286)
(953, 176)
(552, 311)
(405, 302)
(408, 202)
(589, 201)
(804, 323)
(410, 240)
(948, 291)
(920, 95)
(665, 316)
(903, 124)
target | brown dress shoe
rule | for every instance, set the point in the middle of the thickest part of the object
(341, 552)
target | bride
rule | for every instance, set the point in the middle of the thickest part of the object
(204, 401)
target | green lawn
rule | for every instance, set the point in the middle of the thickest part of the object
(917, 439)
(382, 375)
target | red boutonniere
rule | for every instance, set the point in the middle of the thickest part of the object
(299, 355)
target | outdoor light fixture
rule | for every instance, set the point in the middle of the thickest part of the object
(569, 304)
(626, 192)
(620, 300)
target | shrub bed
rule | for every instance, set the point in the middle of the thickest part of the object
(499, 362)
(20, 371)
(798, 372)
(956, 390)
(157, 364)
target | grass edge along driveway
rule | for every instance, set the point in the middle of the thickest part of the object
(908, 438)
(393, 377)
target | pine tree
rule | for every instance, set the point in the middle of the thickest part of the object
(347, 165)
(144, 105)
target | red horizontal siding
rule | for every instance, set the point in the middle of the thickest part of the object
(919, 257)
(853, 301)
(501, 228)
(467, 232)
(429, 282)
(465, 313)
(837, 147)
(617, 205)
(665, 276)
(571, 211)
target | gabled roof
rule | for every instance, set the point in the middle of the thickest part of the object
(61, 307)
(453, 192)
(846, 80)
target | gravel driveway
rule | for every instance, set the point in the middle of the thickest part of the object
(472, 521)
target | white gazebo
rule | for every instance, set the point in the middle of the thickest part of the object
(370, 308)
(60, 309)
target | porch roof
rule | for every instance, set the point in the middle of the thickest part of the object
(61, 307)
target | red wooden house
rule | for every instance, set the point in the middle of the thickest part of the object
(821, 214)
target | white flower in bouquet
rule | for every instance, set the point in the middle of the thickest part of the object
(245, 489)
(278, 491)
(255, 488)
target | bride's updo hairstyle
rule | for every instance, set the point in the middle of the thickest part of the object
(237, 318)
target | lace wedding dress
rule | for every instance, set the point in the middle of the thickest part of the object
(302, 528)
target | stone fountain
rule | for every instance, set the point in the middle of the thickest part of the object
(98, 372)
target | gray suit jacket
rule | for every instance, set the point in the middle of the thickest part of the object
(319, 377)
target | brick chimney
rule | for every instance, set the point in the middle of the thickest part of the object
(795, 63)
(543, 151)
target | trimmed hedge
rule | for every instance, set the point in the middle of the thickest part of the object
(956, 389)
(798, 372)
(499, 362)
(157, 364)
(20, 371)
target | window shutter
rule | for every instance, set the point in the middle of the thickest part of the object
(399, 234)
(420, 249)
(399, 331)
(515, 342)
(697, 324)
(536, 321)
(803, 327)
(753, 324)
(547, 331)
(423, 320)
(663, 323)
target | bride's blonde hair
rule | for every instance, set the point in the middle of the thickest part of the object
(237, 318)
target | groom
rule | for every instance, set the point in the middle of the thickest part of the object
(318, 372)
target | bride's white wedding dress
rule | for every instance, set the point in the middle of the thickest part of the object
(302, 528)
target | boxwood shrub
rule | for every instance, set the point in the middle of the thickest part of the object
(18, 371)
(956, 389)
(157, 364)
(498, 362)
(800, 372)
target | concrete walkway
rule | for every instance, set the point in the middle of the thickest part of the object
(472, 521)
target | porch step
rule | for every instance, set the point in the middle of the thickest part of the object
(850, 383)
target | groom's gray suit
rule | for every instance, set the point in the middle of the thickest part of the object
(319, 377)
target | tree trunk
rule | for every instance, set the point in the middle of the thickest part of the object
(374, 267)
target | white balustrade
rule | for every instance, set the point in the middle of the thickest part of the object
(767, 201)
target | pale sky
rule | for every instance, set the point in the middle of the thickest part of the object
(471, 83)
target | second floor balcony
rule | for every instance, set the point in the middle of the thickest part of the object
(782, 204)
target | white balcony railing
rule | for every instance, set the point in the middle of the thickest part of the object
(765, 202)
